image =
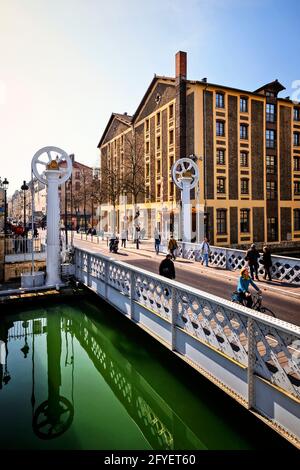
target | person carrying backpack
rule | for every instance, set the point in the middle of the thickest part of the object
(172, 246)
(167, 268)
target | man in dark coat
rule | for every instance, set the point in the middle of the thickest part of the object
(167, 268)
(267, 262)
(252, 257)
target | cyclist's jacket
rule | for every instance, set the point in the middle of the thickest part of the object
(243, 284)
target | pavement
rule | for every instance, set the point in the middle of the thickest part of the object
(282, 298)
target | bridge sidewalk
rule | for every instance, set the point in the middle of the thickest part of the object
(198, 269)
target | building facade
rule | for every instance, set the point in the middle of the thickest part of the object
(247, 148)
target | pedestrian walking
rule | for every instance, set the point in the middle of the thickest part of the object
(124, 238)
(137, 236)
(167, 268)
(252, 256)
(267, 262)
(157, 240)
(172, 247)
(205, 251)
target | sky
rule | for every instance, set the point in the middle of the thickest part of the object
(66, 65)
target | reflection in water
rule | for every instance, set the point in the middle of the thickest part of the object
(4, 373)
(139, 384)
(55, 415)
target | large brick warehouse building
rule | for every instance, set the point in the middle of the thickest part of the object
(247, 148)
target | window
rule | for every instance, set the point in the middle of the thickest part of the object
(158, 119)
(296, 163)
(220, 157)
(158, 142)
(147, 146)
(270, 139)
(297, 139)
(147, 125)
(271, 164)
(158, 167)
(171, 160)
(270, 94)
(243, 131)
(270, 112)
(158, 189)
(221, 221)
(77, 186)
(296, 114)
(244, 159)
(243, 105)
(297, 188)
(220, 128)
(245, 220)
(219, 100)
(171, 111)
(77, 175)
(272, 228)
(147, 192)
(271, 190)
(297, 220)
(244, 186)
(221, 185)
(171, 137)
(147, 170)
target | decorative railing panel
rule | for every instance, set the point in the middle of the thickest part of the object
(97, 267)
(213, 324)
(153, 294)
(119, 277)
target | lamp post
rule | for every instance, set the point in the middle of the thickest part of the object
(93, 199)
(24, 188)
(125, 212)
(4, 185)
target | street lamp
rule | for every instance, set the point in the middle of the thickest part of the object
(24, 188)
(4, 185)
(125, 211)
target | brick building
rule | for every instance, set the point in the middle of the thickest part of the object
(247, 148)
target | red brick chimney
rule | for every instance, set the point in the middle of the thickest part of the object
(180, 65)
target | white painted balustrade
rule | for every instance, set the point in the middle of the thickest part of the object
(251, 356)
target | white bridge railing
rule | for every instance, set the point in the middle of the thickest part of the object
(254, 358)
(284, 269)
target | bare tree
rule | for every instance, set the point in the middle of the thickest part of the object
(134, 173)
(112, 187)
(82, 196)
(98, 194)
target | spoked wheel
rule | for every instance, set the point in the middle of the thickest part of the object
(267, 311)
(49, 424)
(180, 168)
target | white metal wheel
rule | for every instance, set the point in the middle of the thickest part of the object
(182, 166)
(44, 156)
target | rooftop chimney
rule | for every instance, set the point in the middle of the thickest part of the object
(180, 59)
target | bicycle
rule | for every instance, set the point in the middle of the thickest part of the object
(256, 305)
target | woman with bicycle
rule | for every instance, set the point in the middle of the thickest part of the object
(243, 287)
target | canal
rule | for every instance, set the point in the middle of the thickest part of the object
(80, 376)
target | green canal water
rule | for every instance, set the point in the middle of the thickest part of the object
(80, 376)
